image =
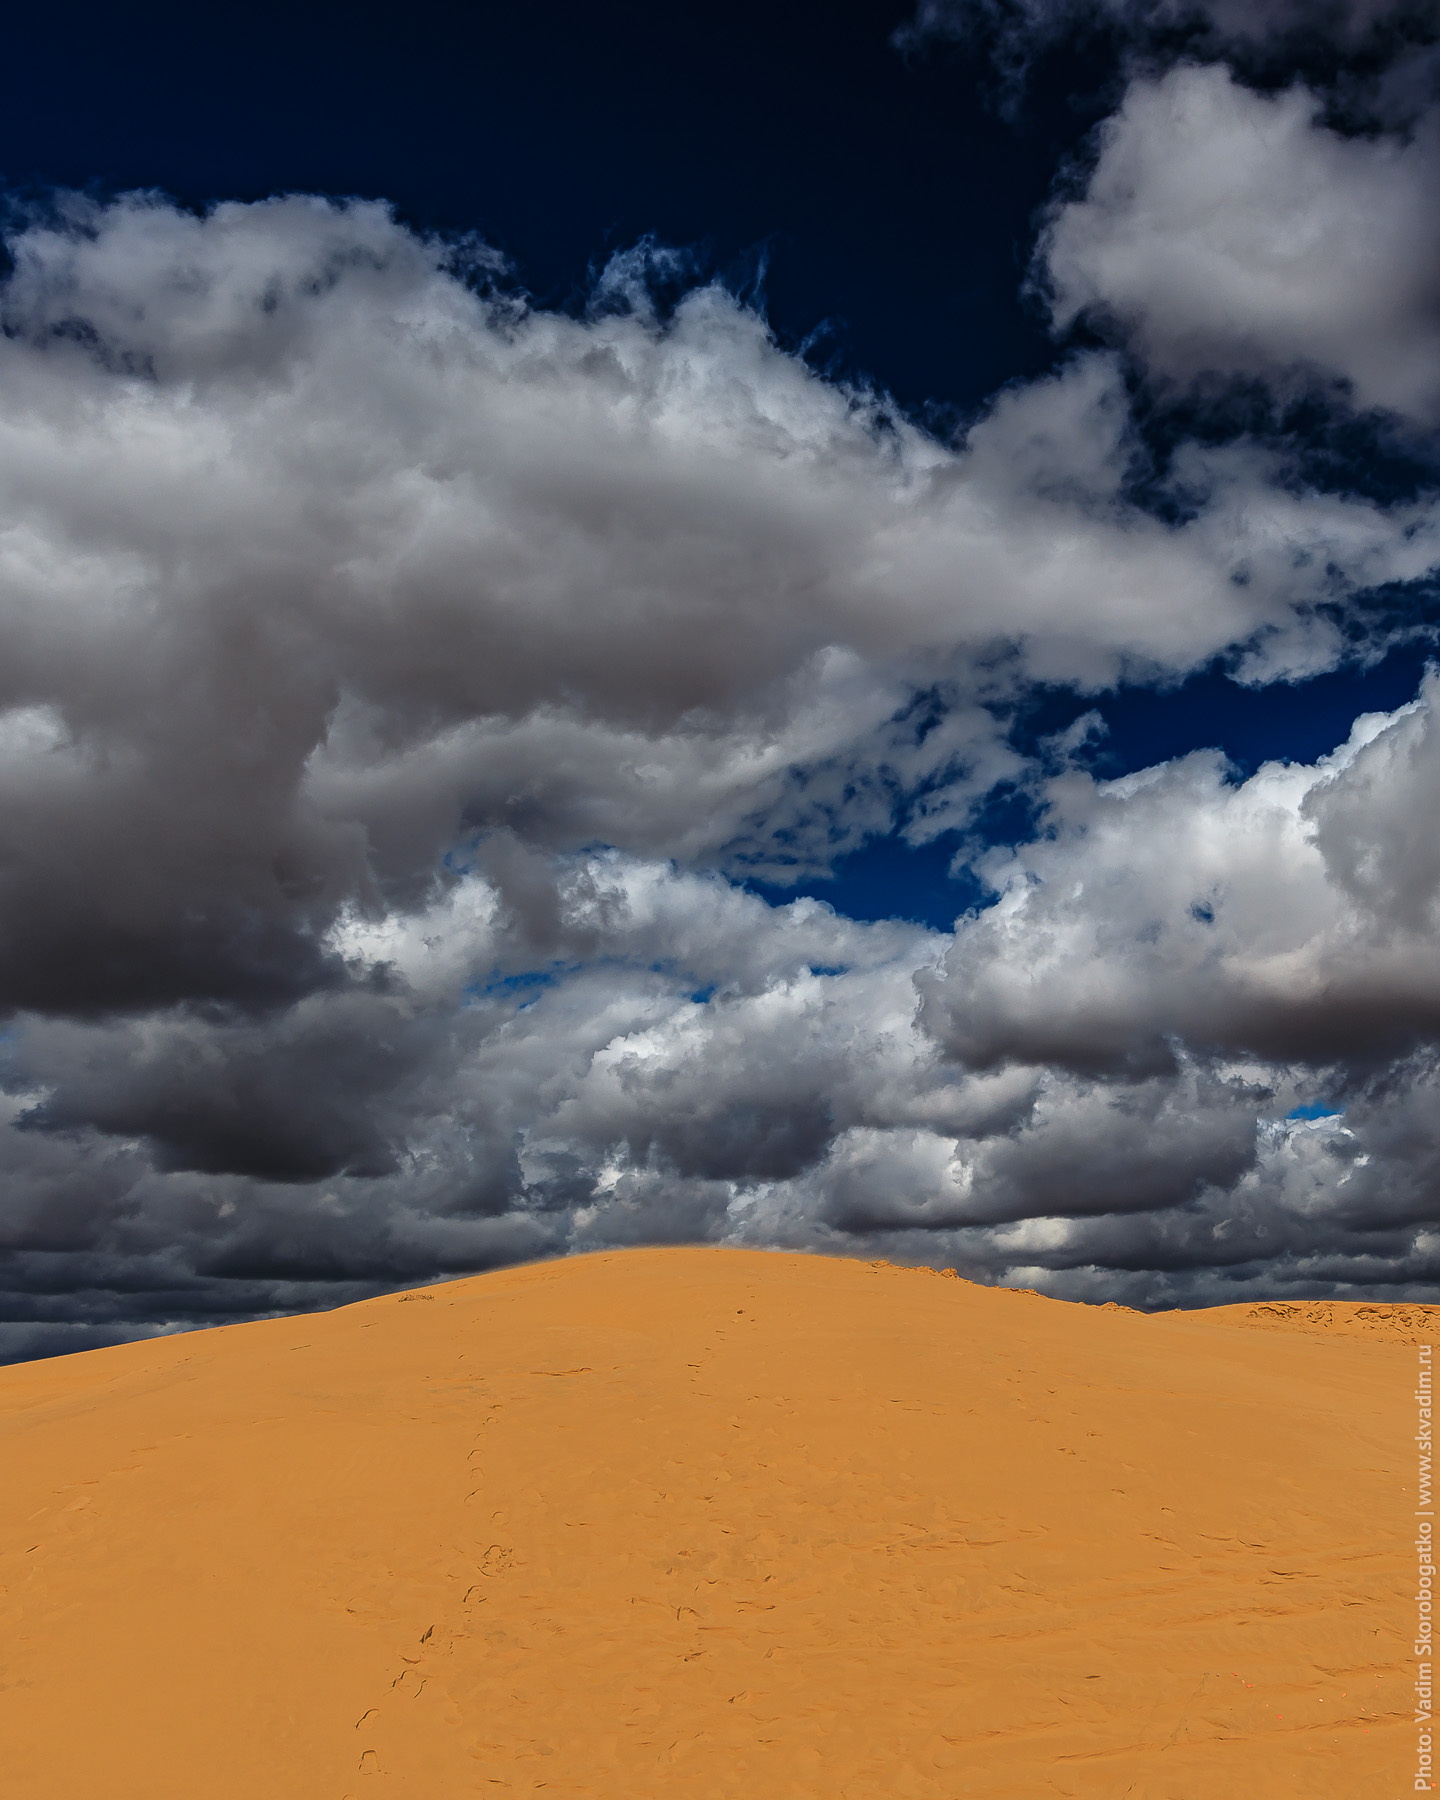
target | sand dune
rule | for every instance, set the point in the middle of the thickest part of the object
(715, 1523)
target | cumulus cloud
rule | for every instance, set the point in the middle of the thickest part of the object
(1294, 917)
(1229, 232)
(321, 557)
(395, 678)
(1259, 203)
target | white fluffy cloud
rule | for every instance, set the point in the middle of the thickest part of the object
(1294, 916)
(1225, 231)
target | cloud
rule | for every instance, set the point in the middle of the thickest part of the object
(324, 557)
(1291, 917)
(396, 679)
(1229, 232)
(1087, 1088)
(1387, 44)
(1342, 20)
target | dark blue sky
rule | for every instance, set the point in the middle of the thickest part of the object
(890, 207)
(884, 197)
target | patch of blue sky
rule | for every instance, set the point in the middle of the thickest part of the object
(531, 982)
(1284, 722)
(888, 878)
(1315, 1109)
(930, 884)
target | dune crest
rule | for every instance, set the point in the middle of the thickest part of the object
(1401, 1323)
(715, 1523)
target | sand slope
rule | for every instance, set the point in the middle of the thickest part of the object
(706, 1522)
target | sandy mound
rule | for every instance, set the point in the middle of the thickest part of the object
(1345, 1318)
(702, 1522)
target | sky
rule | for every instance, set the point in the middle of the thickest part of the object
(804, 627)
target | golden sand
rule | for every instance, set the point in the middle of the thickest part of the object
(694, 1523)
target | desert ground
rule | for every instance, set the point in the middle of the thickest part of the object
(703, 1522)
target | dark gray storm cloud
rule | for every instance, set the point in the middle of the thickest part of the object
(395, 679)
